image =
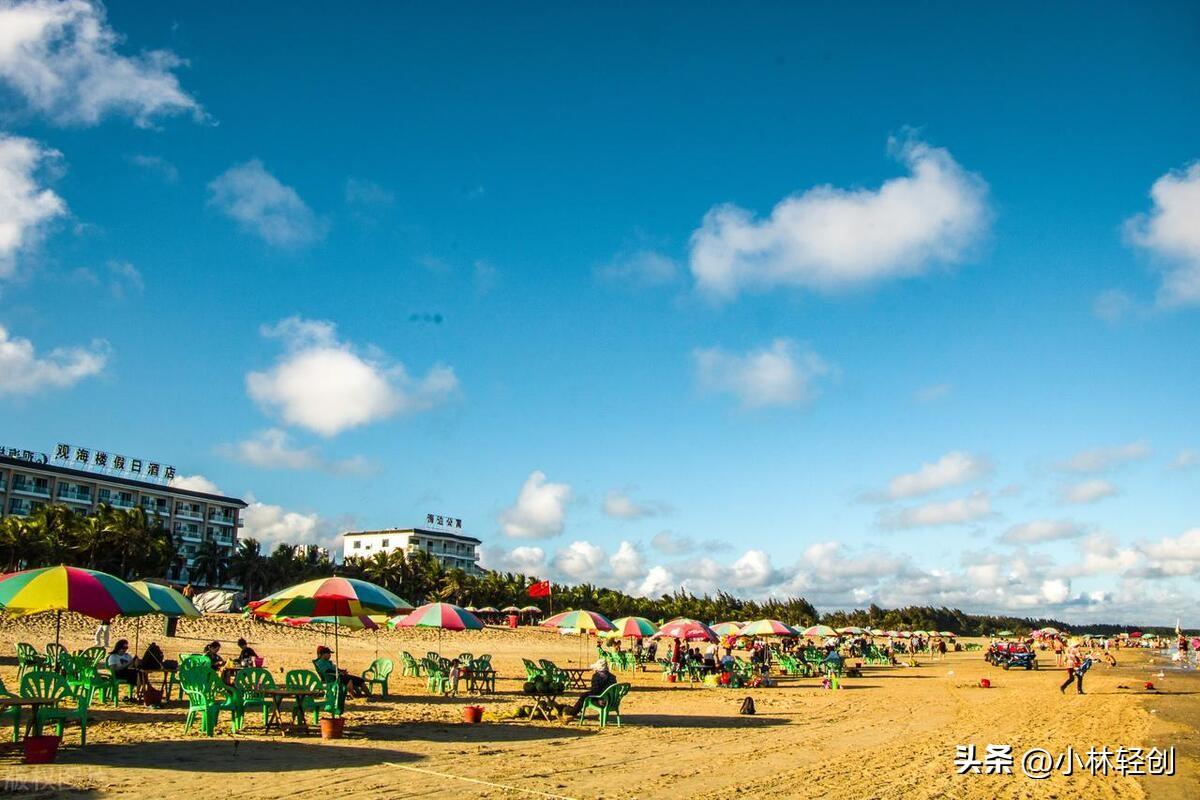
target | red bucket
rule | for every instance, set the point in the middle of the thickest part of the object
(41, 749)
(985, 683)
(472, 715)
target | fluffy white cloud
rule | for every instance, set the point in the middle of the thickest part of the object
(643, 268)
(752, 570)
(1113, 305)
(1175, 556)
(1043, 530)
(952, 469)
(619, 504)
(933, 392)
(273, 449)
(273, 525)
(523, 560)
(581, 561)
(1055, 591)
(61, 57)
(780, 375)
(1102, 459)
(673, 544)
(324, 385)
(261, 204)
(24, 372)
(26, 207)
(976, 506)
(1089, 491)
(1102, 554)
(657, 582)
(197, 483)
(627, 563)
(829, 238)
(1170, 231)
(540, 510)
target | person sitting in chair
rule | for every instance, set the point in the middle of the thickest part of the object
(601, 680)
(122, 664)
(246, 654)
(354, 684)
(213, 651)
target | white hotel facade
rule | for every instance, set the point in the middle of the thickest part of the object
(453, 550)
(30, 480)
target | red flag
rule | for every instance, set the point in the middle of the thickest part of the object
(540, 589)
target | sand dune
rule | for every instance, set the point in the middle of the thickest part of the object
(891, 733)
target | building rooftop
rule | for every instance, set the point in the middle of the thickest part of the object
(83, 474)
(458, 537)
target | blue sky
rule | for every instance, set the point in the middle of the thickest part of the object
(868, 308)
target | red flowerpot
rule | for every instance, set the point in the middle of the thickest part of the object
(331, 727)
(41, 749)
(472, 715)
(985, 683)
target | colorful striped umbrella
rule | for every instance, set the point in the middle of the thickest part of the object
(531, 610)
(351, 623)
(768, 627)
(330, 597)
(580, 621)
(631, 627)
(58, 589)
(853, 630)
(727, 628)
(489, 610)
(443, 616)
(510, 610)
(819, 631)
(169, 602)
(687, 629)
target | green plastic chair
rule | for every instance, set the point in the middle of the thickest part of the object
(409, 666)
(84, 676)
(10, 712)
(207, 697)
(333, 703)
(532, 670)
(378, 673)
(437, 681)
(54, 655)
(248, 682)
(28, 658)
(52, 686)
(93, 655)
(608, 702)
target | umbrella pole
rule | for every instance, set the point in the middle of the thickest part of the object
(137, 634)
(57, 625)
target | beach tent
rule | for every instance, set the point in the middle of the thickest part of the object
(218, 601)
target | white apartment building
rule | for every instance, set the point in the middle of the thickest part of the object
(452, 549)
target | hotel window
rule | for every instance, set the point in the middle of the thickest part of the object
(357, 545)
(384, 543)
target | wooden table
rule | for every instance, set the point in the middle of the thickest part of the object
(145, 680)
(576, 677)
(280, 693)
(545, 705)
(32, 727)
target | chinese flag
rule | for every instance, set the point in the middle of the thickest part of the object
(540, 589)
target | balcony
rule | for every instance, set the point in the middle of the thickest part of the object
(29, 487)
(75, 495)
(187, 532)
(153, 509)
(2, 483)
(220, 536)
(218, 518)
(119, 501)
(188, 512)
(22, 508)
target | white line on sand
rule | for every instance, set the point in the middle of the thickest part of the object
(475, 780)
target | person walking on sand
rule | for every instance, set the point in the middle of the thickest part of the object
(1057, 646)
(1075, 670)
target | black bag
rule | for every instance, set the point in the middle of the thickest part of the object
(747, 706)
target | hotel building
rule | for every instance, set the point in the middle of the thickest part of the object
(30, 480)
(453, 550)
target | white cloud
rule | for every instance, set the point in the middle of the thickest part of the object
(1055, 591)
(952, 469)
(752, 570)
(657, 582)
(672, 544)
(540, 510)
(26, 208)
(975, 506)
(580, 561)
(273, 525)
(643, 268)
(124, 280)
(783, 374)
(1175, 556)
(524, 560)
(1171, 232)
(1101, 554)
(933, 392)
(1089, 491)
(627, 563)
(619, 504)
(62, 59)
(1043, 530)
(829, 238)
(262, 205)
(156, 165)
(324, 385)
(23, 372)
(1102, 459)
(273, 449)
(1186, 459)
(196, 483)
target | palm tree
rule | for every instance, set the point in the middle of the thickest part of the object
(249, 567)
(210, 564)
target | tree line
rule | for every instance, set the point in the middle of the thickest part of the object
(130, 544)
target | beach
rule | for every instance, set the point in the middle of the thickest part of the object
(892, 732)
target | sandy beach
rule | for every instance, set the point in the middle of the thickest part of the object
(890, 733)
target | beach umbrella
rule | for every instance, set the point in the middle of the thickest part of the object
(1048, 631)
(948, 633)
(489, 610)
(767, 627)
(878, 632)
(819, 631)
(531, 610)
(580, 622)
(632, 627)
(1004, 633)
(851, 629)
(689, 630)
(168, 602)
(472, 609)
(727, 628)
(58, 589)
(443, 616)
(350, 623)
(330, 597)
(510, 610)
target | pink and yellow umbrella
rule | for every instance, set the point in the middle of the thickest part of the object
(443, 616)
(58, 589)
(689, 630)
(768, 627)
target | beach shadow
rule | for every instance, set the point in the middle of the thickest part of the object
(514, 731)
(683, 721)
(224, 754)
